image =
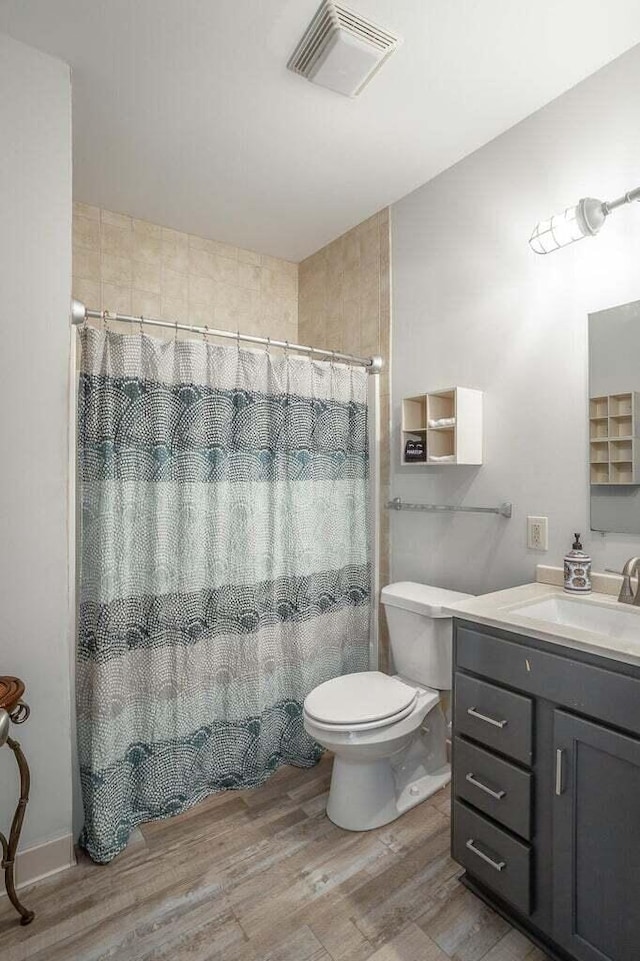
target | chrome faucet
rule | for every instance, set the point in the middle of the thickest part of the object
(626, 595)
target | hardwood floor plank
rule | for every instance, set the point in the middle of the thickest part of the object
(411, 944)
(387, 903)
(341, 938)
(463, 925)
(514, 947)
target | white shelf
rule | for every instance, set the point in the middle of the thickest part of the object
(614, 441)
(459, 442)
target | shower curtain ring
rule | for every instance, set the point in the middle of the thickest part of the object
(140, 323)
(333, 359)
(105, 320)
(238, 340)
(205, 332)
(268, 345)
(175, 333)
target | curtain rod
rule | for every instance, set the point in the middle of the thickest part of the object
(80, 314)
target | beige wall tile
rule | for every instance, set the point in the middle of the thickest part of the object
(225, 270)
(115, 220)
(249, 276)
(145, 302)
(175, 253)
(86, 210)
(213, 247)
(174, 310)
(175, 285)
(87, 292)
(116, 270)
(86, 232)
(116, 299)
(201, 314)
(146, 248)
(249, 257)
(86, 264)
(147, 276)
(115, 240)
(145, 229)
(202, 290)
(201, 262)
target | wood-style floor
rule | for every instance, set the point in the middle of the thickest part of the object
(264, 876)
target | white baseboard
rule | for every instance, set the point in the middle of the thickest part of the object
(43, 860)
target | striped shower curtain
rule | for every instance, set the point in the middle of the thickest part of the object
(224, 567)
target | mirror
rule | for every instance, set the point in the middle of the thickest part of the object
(614, 419)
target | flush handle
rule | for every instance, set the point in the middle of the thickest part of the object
(496, 865)
(472, 712)
(498, 795)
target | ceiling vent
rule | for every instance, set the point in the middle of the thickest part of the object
(341, 50)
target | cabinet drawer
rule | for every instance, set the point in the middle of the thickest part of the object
(496, 859)
(606, 692)
(494, 786)
(493, 716)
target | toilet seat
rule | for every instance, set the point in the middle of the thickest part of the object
(360, 702)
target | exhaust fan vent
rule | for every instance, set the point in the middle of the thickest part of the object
(341, 50)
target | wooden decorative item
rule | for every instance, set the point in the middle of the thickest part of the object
(13, 709)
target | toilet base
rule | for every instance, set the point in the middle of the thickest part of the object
(365, 795)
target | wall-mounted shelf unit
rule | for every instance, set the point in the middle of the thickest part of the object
(614, 441)
(448, 425)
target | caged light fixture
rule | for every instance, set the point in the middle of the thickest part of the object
(583, 220)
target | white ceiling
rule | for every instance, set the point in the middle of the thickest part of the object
(185, 115)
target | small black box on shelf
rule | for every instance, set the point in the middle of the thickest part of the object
(415, 450)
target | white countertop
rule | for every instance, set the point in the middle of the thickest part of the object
(497, 610)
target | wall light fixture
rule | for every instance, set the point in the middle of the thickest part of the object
(583, 220)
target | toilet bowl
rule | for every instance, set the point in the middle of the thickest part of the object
(388, 733)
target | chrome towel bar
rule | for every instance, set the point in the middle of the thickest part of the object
(397, 504)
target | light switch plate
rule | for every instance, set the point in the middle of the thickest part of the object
(538, 533)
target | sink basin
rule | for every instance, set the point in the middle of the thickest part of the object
(609, 620)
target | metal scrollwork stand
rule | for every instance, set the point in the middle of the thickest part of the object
(18, 714)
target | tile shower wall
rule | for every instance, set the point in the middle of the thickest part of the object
(133, 267)
(345, 304)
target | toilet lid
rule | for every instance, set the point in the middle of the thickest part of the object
(355, 699)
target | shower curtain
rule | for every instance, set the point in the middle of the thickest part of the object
(224, 567)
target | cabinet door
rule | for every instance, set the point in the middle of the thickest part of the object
(596, 841)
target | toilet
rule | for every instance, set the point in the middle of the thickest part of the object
(388, 733)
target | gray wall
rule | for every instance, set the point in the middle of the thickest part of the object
(473, 306)
(35, 285)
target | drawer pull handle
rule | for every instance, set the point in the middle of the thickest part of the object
(496, 865)
(498, 795)
(485, 717)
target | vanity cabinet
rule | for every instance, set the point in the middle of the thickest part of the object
(546, 790)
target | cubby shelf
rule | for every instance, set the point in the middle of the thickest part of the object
(614, 442)
(456, 441)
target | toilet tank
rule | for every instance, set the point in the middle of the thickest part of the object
(420, 633)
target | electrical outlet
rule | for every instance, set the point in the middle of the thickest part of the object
(538, 533)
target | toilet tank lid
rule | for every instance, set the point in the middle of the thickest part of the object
(421, 598)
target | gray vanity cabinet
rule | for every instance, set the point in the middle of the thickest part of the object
(596, 847)
(546, 790)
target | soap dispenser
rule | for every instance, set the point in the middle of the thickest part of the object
(577, 569)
